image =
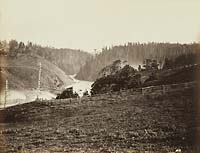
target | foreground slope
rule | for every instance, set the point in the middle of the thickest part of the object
(119, 121)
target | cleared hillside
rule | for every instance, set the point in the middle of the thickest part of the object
(69, 60)
(22, 73)
(122, 122)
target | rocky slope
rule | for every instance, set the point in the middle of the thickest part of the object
(112, 68)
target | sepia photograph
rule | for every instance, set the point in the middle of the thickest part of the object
(99, 76)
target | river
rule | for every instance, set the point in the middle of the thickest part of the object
(15, 97)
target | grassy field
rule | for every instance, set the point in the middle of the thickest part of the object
(104, 123)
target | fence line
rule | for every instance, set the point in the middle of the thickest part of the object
(162, 89)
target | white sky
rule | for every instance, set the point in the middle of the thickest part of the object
(91, 24)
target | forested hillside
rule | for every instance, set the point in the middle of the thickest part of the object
(134, 54)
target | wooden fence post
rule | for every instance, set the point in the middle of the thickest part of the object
(163, 89)
(142, 91)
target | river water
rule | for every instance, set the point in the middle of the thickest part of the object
(15, 97)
